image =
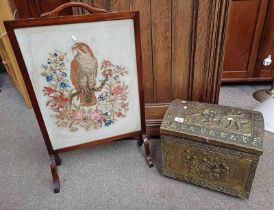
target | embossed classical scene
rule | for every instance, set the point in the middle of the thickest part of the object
(222, 123)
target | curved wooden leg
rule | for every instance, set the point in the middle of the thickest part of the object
(58, 160)
(54, 172)
(147, 150)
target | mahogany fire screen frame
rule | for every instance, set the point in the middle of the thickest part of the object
(84, 78)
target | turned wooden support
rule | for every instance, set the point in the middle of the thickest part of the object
(58, 160)
(54, 172)
(144, 140)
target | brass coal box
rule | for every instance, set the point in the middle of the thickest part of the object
(213, 146)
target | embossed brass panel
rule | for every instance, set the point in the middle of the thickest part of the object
(229, 127)
(208, 166)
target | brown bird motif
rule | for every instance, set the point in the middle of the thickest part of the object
(83, 74)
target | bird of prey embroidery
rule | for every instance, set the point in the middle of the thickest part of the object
(83, 74)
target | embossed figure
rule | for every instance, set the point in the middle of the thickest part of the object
(207, 166)
(83, 74)
(235, 119)
(210, 116)
(207, 116)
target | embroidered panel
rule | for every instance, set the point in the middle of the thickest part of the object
(73, 100)
(85, 79)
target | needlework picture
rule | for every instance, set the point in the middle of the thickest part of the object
(85, 79)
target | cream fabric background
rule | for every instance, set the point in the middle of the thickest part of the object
(113, 40)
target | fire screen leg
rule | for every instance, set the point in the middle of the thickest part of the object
(54, 172)
(58, 160)
(144, 140)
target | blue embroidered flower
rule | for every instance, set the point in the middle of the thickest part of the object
(116, 77)
(49, 77)
(63, 85)
(63, 74)
(55, 54)
(108, 122)
(101, 98)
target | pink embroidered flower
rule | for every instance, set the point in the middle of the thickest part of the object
(95, 116)
(78, 116)
(117, 90)
(119, 114)
(106, 63)
(124, 105)
(107, 73)
(124, 97)
(82, 124)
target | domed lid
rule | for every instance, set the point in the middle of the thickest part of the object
(223, 126)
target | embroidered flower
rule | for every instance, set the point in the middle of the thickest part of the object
(48, 90)
(124, 105)
(95, 116)
(107, 73)
(97, 125)
(63, 85)
(78, 115)
(108, 122)
(117, 90)
(82, 124)
(49, 77)
(124, 97)
(101, 98)
(119, 114)
(106, 63)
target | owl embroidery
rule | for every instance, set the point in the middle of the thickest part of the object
(83, 74)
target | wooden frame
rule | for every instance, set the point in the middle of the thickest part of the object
(101, 15)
